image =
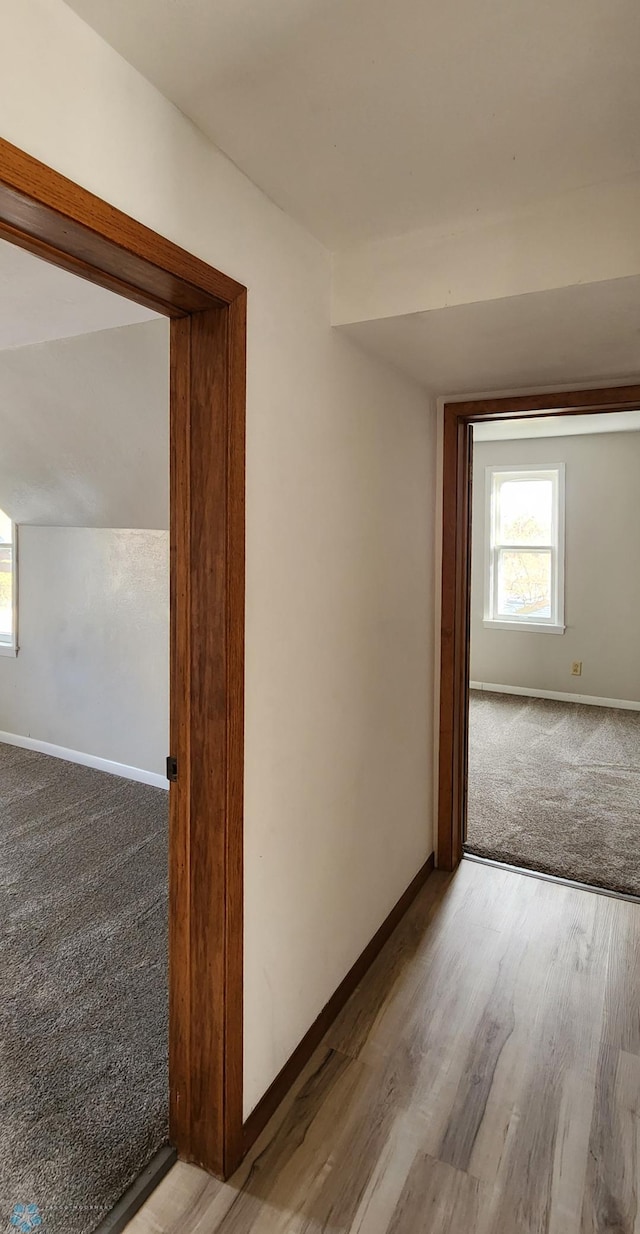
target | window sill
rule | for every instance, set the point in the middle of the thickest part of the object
(8, 649)
(532, 627)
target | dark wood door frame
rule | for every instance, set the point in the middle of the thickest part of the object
(57, 220)
(456, 580)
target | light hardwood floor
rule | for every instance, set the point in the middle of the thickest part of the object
(484, 1079)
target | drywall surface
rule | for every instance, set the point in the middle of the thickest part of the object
(602, 579)
(585, 236)
(41, 302)
(340, 508)
(85, 429)
(92, 672)
(586, 332)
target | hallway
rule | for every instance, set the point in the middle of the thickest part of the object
(484, 1078)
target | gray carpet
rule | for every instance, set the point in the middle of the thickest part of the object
(555, 787)
(83, 1014)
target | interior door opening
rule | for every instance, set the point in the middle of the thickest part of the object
(540, 703)
(84, 730)
(49, 217)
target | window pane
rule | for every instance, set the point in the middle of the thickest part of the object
(524, 584)
(525, 510)
(6, 593)
(5, 528)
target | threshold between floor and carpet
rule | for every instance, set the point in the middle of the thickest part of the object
(555, 787)
(590, 888)
(139, 1191)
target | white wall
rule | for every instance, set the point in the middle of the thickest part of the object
(340, 462)
(93, 667)
(85, 446)
(85, 429)
(602, 579)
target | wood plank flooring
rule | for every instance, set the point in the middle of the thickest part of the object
(483, 1079)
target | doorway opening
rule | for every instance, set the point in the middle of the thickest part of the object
(540, 701)
(56, 220)
(84, 717)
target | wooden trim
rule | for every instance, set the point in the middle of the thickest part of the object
(456, 580)
(62, 223)
(234, 831)
(205, 969)
(566, 402)
(268, 1104)
(454, 636)
(180, 983)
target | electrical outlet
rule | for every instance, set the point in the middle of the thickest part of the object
(576, 668)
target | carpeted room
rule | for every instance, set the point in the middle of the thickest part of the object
(84, 643)
(83, 1018)
(554, 715)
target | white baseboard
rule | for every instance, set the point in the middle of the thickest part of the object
(624, 703)
(86, 760)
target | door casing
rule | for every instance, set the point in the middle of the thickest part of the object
(59, 221)
(459, 417)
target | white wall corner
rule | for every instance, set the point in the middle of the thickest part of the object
(85, 760)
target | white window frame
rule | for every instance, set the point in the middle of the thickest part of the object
(9, 645)
(494, 477)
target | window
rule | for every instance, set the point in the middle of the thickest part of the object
(525, 548)
(8, 586)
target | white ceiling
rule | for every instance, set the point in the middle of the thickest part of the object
(84, 420)
(572, 334)
(39, 302)
(85, 429)
(365, 118)
(558, 426)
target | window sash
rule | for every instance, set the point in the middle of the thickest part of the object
(528, 618)
(8, 640)
(495, 477)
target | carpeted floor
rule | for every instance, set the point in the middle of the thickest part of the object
(556, 787)
(83, 1014)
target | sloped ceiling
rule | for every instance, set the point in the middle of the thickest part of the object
(39, 302)
(365, 118)
(84, 401)
(85, 429)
